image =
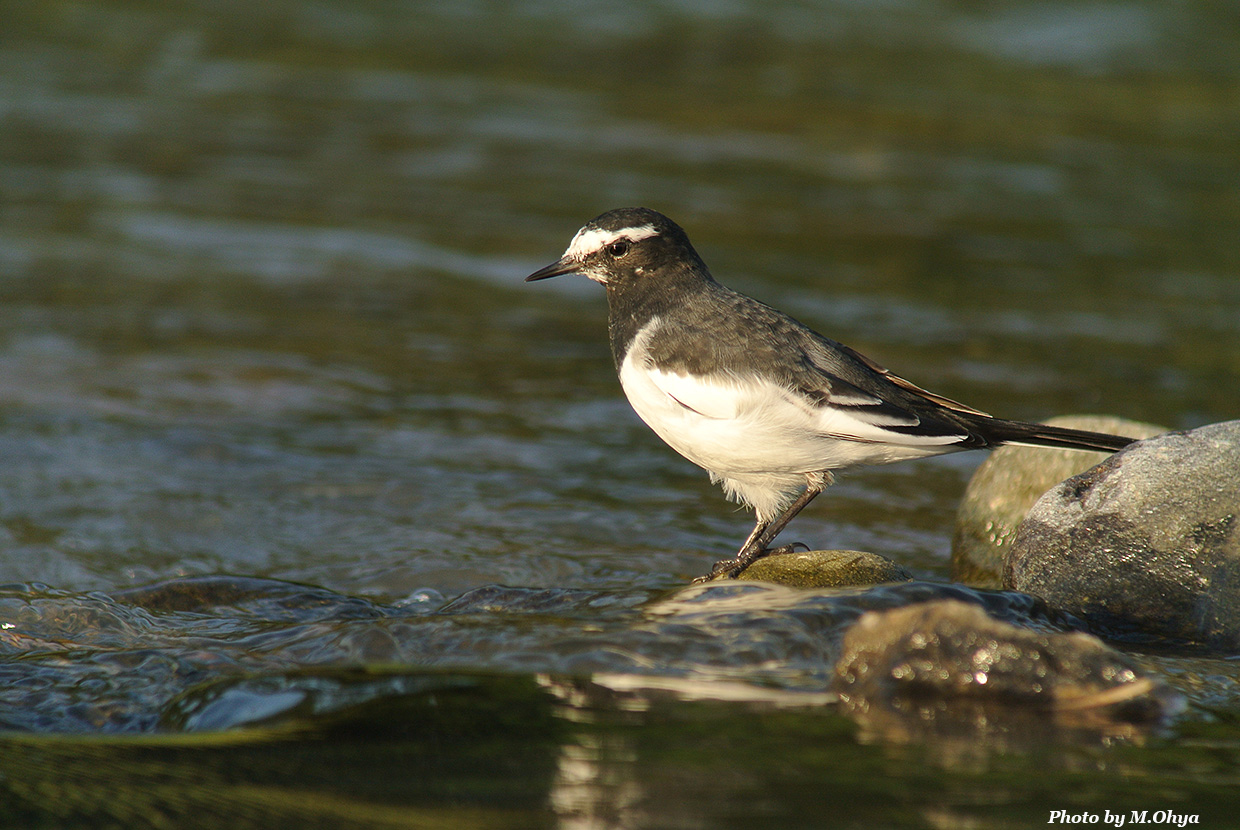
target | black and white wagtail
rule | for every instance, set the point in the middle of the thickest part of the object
(766, 405)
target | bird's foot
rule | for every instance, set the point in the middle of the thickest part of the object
(731, 568)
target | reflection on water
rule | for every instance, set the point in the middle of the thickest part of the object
(261, 315)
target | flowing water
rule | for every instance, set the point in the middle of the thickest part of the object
(312, 511)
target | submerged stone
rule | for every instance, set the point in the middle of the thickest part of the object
(1146, 543)
(825, 569)
(1008, 483)
(945, 650)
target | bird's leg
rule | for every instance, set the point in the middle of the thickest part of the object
(764, 533)
(723, 566)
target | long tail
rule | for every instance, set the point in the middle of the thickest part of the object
(997, 431)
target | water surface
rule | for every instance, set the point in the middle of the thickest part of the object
(264, 345)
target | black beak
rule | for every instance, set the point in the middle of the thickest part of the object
(555, 269)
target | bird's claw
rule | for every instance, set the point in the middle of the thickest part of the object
(732, 568)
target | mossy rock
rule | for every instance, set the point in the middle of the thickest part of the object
(825, 569)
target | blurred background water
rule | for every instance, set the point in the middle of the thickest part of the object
(262, 318)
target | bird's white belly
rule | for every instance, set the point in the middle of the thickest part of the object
(759, 439)
(742, 442)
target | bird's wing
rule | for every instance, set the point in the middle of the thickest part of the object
(850, 384)
(748, 355)
(909, 386)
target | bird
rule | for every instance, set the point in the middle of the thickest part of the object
(767, 406)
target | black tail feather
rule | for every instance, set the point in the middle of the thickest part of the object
(996, 432)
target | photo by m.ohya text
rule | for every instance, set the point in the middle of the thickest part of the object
(1121, 818)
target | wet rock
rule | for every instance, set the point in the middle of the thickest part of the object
(825, 569)
(1148, 542)
(1008, 483)
(902, 667)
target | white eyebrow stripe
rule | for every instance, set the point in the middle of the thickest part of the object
(588, 241)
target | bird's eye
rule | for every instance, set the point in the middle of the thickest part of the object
(618, 248)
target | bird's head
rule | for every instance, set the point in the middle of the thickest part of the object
(625, 246)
